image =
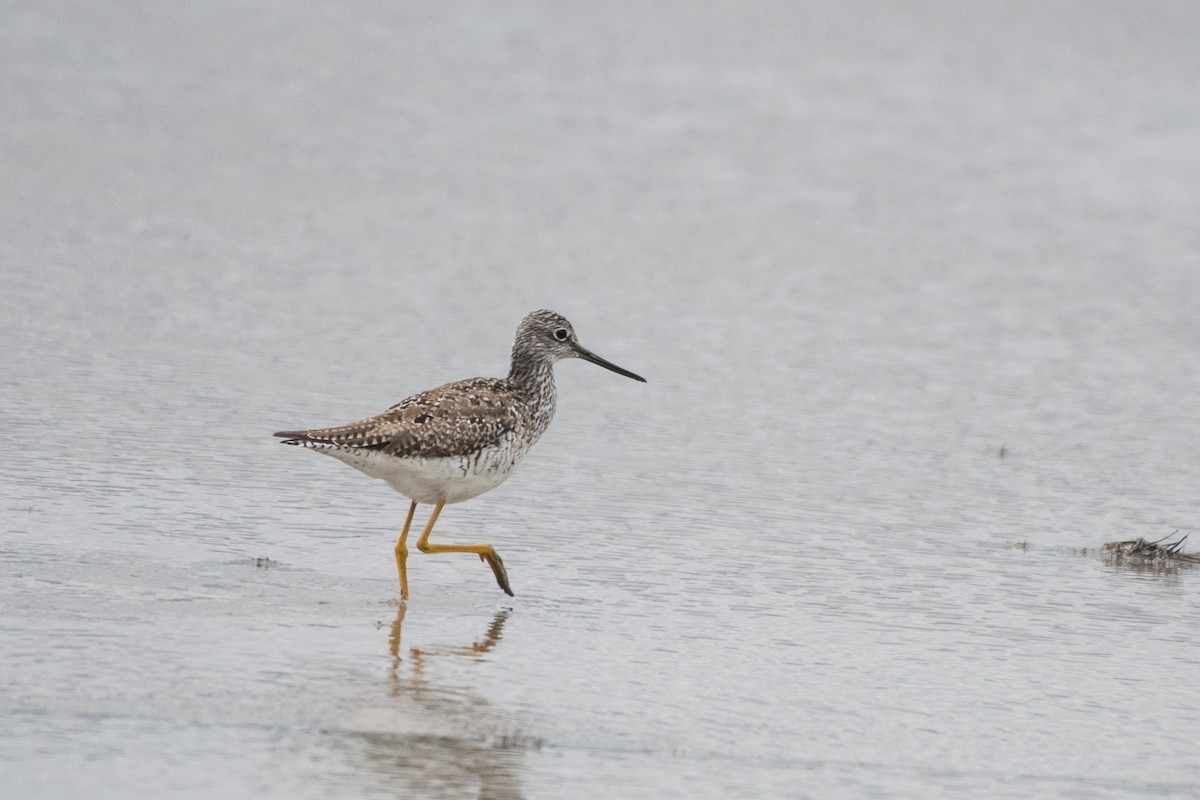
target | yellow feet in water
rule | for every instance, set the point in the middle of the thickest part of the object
(485, 551)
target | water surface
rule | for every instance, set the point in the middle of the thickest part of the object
(855, 250)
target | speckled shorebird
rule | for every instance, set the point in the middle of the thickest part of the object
(457, 441)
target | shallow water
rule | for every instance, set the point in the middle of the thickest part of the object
(855, 250)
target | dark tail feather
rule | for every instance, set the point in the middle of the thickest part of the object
(292, 437)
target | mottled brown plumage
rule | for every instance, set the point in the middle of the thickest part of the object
(452, 420)
(459, 440)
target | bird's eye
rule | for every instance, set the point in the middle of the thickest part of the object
(561, 334)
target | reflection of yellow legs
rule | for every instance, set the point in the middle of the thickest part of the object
(417, 656)
(489, 641)
(485, 551)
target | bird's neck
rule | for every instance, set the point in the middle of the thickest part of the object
(534, 379)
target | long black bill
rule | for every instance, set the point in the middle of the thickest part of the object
(588, 355)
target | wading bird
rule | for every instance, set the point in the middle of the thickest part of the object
(457, 441)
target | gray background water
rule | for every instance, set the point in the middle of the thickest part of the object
(856, 248)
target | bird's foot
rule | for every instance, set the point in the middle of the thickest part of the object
(493, 560)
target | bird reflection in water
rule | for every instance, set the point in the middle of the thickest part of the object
(475, 649)
(453, 744)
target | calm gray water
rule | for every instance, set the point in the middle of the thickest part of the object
(856, 248)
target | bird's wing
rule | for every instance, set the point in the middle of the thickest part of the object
(451, 420)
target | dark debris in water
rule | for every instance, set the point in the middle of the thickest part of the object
(1160, 550)
(518, 742)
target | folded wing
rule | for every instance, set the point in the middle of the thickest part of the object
(452, 420)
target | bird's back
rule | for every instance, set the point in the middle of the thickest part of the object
(456, 419)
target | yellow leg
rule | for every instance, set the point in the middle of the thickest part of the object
(485, 551)
(402, 552)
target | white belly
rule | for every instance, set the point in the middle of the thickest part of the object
(432, 479)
